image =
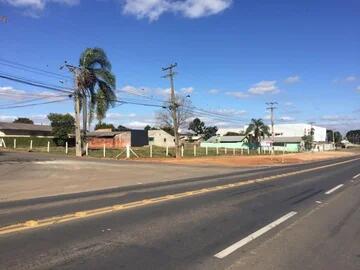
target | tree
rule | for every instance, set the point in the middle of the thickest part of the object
(308, 141)
(23, 120)
(257, 130)
(210, 132)
(331, 135)
(122, 128)
(230, 133)
(102, 125)
(96, 82)
(353, 136)
(184, 112)
(197, 126)
(62, 125)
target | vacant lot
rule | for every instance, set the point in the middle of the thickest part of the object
(258, 160)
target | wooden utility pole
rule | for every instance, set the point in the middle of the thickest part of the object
(272, 108)
(173, 106)
(77, 96)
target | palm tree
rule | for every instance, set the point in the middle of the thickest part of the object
(96, 85)
(258, 130)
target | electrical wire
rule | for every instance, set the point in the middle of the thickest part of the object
(32, 105)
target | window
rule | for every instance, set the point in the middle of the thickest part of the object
(164, 139)
(151, 139)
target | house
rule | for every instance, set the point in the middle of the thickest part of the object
(159, 137)
(237, 142)
(117, 139)
(24, 130)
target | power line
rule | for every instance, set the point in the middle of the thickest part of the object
(20, 66)
(34, 83)
(32, 105)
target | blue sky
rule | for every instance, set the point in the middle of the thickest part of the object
(233, 56)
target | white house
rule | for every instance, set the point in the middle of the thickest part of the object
(159, 137)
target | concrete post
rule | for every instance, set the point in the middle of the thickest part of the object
(48, 147)
(167, 151)
(242, 151)
(14, 143)
(87, 149)
(194, 150)
(217, 150)
(206, 150)
(234, 151)
(225, 151)
(104, 150)
(151, 151)
(182, 151)
(259, 151)
(248, 151)
(31, 144)
(128, 151)
(66, 148)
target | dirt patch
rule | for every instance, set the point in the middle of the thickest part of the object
(246, 161)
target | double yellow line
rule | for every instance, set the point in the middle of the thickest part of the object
(31, 224)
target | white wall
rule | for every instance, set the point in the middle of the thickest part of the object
(299, 130)
(161, 138)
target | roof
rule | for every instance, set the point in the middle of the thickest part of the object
(288, 139)
(231, 138)
(20, 126)
(104, 134)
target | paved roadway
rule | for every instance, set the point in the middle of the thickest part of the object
(313, 215)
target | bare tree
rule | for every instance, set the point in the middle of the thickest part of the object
(184, 112)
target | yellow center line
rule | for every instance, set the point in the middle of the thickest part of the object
(31, 224)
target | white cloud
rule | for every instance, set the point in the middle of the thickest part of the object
(10, 93)
(153, 9)
(213, 91)
(292, 79)
(37, 118)
(187, 90)
(287, 118)
(264, 87)
(38, 4)
(336, 118)
(350, 79)
(237, 94)
(288, 103)
(230, 112)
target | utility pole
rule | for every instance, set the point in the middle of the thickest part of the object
(312, 134)
(173, 105)
(272, 108)
(77, 96)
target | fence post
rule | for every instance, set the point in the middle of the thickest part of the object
(259, 151)
(182, 151)
(167, 151)
(14, 143)
(104, 151)
(242, 151)
(217, 150)
(48, 147)
(234, 151)
(66, 148)
(128, 151)
(248, 151)
(194, 150)
(225, 151)
(206, 150)
(87, 149)
(31, 144)
(151, 150)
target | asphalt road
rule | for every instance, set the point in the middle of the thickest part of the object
(314, 217)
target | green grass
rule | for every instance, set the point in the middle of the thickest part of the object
(141, 152)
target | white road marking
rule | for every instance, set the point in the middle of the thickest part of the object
(253, 236)
(318, 202)
(333, 189)
(356, 176)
